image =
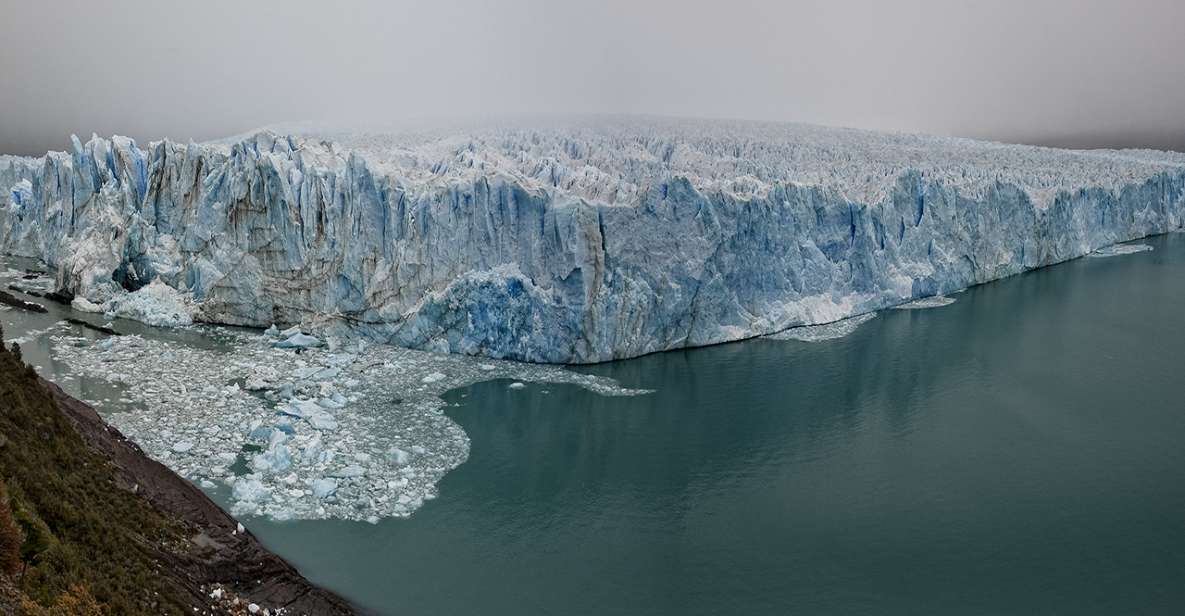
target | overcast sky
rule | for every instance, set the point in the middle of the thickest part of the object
(1066, 72)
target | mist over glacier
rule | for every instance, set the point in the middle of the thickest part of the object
(570, 241)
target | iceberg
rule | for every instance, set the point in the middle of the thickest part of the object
(567, 241)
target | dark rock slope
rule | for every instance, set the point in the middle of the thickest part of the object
(98, 518)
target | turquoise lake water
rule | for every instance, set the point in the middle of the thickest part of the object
(1019, 451)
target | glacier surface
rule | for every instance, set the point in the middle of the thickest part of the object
(573, 241)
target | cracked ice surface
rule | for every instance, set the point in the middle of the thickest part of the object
(828, 331)
(355, 433)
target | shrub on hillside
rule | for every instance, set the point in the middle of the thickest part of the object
(10, 537)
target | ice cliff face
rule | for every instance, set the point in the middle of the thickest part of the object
(577, 242)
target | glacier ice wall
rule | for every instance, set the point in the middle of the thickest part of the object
(572, 244)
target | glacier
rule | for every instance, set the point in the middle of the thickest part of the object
(571, 240)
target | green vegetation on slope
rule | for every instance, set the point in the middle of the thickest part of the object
(80, 533)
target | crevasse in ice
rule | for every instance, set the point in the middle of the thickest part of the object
(568, 241)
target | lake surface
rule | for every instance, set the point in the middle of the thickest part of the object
(1019, 451)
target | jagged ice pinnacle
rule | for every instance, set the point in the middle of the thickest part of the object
(576, 241)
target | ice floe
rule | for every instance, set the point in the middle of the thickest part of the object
(308, 432)
(936, 301)
(827, 331)
(1120, 249)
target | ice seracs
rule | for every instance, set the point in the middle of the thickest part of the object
(574, 240)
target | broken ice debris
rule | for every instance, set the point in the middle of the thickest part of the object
(298, 341)
(324, 487)
(352, 470)
(398, 456)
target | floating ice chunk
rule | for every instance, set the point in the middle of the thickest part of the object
(83, 304)
(828, 331)
(335, 402)
(155, 304)
(1120, 249)
(340, 360)
(277, 458)
(517, 385)
(261, 378)
(250, 490)
(301, 409)
(433, 377)
(306, 372)
(313, 450)
(329, 403)
(272, 332)
(324, 487)
(183, 446)
(298, 341)
(322, 421)
(927, 302)
(398, 456)
(352, 470)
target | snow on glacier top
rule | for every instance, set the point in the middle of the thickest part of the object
(613, 160)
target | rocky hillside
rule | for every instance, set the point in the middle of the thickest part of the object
(89, 525)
